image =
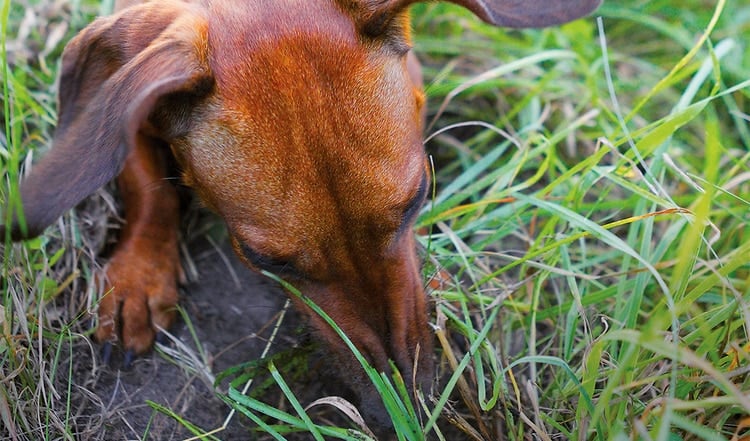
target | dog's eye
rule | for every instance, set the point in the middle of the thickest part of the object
(415, 203)
(263, 262)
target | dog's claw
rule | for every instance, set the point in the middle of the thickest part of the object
(127, 362)
(106, 352)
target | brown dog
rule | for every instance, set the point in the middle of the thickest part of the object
(298, 121)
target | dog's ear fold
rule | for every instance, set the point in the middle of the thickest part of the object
(529, 13)
(114, 75)
(377, 14)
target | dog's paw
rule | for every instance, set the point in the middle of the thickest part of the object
(138, 300)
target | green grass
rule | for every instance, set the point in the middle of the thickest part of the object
(591, 206)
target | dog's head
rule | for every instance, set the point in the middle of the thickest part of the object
(310, 148)
(299, 122)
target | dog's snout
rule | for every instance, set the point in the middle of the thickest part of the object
(384, 316)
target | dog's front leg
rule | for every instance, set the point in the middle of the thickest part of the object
(141, 277)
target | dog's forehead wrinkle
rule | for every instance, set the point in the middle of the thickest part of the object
(237, 28)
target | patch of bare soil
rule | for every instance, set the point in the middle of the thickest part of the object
(231, 314)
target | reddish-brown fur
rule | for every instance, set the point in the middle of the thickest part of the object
(299, 122)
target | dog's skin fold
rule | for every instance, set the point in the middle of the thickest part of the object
(298, 121)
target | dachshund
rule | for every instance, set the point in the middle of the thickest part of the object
(298, 121)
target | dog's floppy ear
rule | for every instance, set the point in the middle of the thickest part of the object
(377, 14)
(114, 74)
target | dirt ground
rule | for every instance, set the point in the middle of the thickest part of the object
(232, 312)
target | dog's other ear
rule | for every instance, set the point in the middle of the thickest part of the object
(377, 14)
(114, 74)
